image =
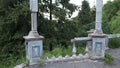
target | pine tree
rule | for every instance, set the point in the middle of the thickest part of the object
(84, 15)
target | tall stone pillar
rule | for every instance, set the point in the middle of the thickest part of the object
(34, 42)
(98, 37)
(98, 24)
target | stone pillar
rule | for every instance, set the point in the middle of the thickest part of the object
(33, 31)
(98, 25)
(34, 21)
(34, 42)
(98, 38)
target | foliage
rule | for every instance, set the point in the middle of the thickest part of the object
(114, 43)
(57, 52)
(61, 51)
(67, 51)
(81, 50)
(114, 28)
(15, 23)
(108, 59)
(111, 21)
(106, 28)
(115, 23)
(14, 63)
(57, 26)
(85, 19)
(85, 13)
(109, 13)
(110, 16)
(42, 62)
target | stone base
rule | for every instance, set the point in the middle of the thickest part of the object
(98, 45)
(34, 47)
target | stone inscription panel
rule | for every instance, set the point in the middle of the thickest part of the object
(98, 48)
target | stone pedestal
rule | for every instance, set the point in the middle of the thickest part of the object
(98, 46)
(34, 47)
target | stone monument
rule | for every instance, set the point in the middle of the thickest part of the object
(96, 40)
(33, 42)
(98, 37)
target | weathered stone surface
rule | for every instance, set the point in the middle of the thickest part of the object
(33, 42)
(98, 25)
(86, 63)
(73, 64)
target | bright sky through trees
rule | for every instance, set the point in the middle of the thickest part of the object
(79, 2)
(92, 2)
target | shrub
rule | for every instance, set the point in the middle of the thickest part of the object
(108, 59)
(114, 43)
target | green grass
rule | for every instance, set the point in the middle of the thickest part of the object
(61, 51)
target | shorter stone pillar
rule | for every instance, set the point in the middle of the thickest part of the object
(98, 46)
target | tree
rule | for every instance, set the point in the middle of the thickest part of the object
(114, 24)
(14, 24)
(85, 18)
(84, 15)
(55, 28)
(109, 14)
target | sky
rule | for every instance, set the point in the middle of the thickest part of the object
(91, 2)
(79, 2)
